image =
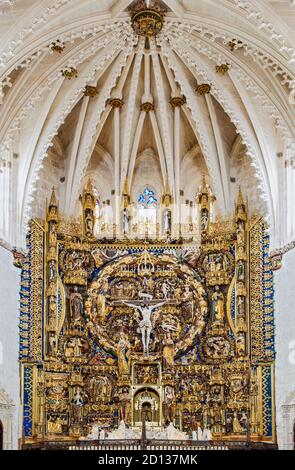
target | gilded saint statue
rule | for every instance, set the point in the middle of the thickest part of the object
(241, 344)
(125, 221)
(237, 428)
(54, 425)
(169, 405)
(125, 400)
(101, 307)
(218, 304)
(168, 352)
(70, 348)
(204, 220)
(76, 305)
(52, 270)
(241, 233)
(77, 407)
(167, 221)
(89, 222)
(241, 270)
(106, 390)
(52, 344)
(122, 350)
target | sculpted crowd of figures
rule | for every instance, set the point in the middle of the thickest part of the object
(157, 333)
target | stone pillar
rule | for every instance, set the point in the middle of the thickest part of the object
(166, 216)
(176, 102)
(117, 104)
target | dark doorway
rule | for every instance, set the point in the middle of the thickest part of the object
(1, 435)
(294, 436)
(147, 411)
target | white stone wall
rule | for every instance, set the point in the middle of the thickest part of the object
(9, 367)
(285, 335)
(49, 176)
(245, 179)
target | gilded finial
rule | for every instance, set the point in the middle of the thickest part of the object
(126, 199)
(167, 186)
(88, 205)
(52, 208)
(167, 197)
(53, 200)
(87, 197)
(125, 188)
(204, 183)
(241, 211)
(204, 199)
(240, 199)
(89, 186)
(204, 187)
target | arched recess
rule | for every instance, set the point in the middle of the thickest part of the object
(147, 173)
(146, 407)
(100, 170)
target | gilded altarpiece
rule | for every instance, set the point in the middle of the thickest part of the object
(179, 332)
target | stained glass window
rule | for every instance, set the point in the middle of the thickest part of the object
(147, 198)
(147, 206)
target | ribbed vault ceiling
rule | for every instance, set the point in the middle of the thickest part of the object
(241, 133)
